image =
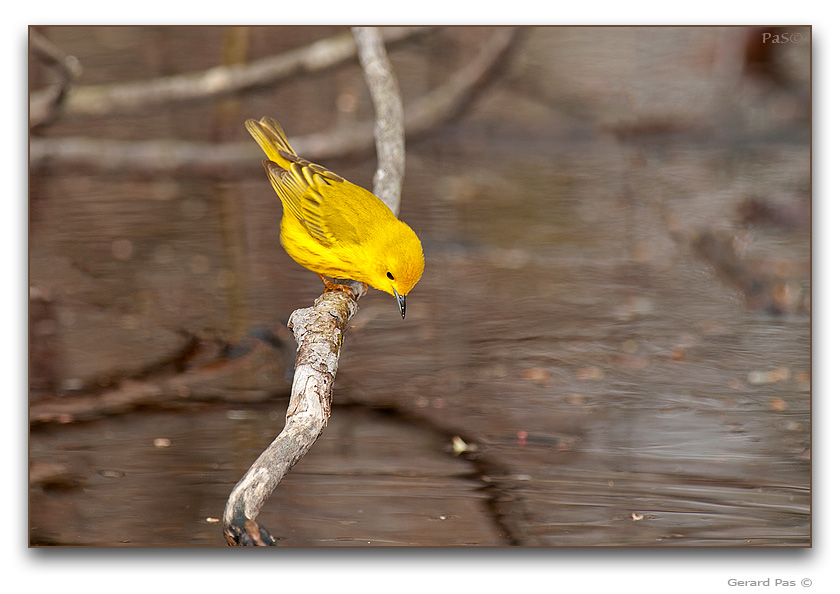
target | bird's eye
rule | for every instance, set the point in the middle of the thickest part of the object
(389, 275)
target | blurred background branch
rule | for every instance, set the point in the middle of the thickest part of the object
(98, 100)
(174, 156)
(67, 68)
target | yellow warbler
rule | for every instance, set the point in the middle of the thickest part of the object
(335, 228)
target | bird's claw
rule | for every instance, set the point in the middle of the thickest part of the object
(331, 286)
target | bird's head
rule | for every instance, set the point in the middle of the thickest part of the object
(399, 266)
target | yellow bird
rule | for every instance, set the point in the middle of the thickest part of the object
(335, 228)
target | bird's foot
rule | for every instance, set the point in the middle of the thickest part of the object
(331, 286)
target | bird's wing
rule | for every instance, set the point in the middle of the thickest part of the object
(304, 189)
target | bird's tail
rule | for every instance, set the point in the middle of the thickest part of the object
(271, 138)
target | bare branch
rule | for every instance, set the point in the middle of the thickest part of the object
(449, 99)
(161, 156)
(97, 100)
(143, 156)
(390, 130)
(319, 332)
(68, 70)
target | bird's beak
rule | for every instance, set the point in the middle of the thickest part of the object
(400, 302)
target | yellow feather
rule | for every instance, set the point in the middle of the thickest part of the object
(334, 227)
